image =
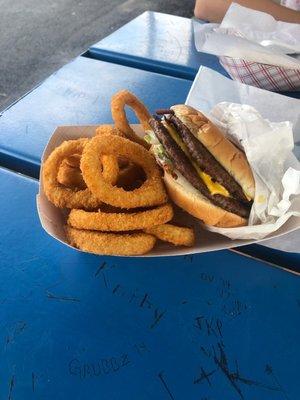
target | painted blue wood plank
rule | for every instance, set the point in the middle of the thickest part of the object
(277, 257)
(161, 43)
(77, 94)
(157, 42)
(77, 326)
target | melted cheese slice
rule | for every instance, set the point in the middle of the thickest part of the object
(213, 187)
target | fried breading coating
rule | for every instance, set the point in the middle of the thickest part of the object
(104, 221)
(118, 103)
(180, 236)
(150, 193)
(125, 244)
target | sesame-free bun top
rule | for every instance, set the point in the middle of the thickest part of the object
(224, 151)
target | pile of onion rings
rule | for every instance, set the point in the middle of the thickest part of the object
(112, 188)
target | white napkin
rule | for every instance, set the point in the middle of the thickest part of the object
(258, 26)
(251, 35)
(262, 122)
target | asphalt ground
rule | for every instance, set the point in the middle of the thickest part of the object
(39, 36)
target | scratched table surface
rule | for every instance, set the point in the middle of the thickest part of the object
(77, 94)
(76, 326)
(156, 42)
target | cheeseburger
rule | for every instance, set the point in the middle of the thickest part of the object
(205, 173)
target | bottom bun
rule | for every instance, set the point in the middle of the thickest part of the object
(197, 205)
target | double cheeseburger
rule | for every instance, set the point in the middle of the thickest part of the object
(205, 173)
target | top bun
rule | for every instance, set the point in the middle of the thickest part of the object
(224, 151)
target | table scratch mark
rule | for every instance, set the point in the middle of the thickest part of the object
(204, 375)
(223, 365)
(188, 258)
(157, 317)
(212, 326)
(116, 288)
(11, 386)
(160, 376)
(102, 266)
(63, 298)
(235, 377)
(206, 352)
(54, 285)
(178, 45)
(269, 371)
(28, 260)
(104, 280)
(17, 330)
(33, 381)
(143, 301)
(21, 327)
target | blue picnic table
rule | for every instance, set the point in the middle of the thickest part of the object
(76, 326)
(77, 94)
(156, 42)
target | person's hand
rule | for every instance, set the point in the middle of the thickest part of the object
(215, 10)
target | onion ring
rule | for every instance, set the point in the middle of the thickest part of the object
(108, 130)
(118, 103)
(72, 161)
(110, 243)
(69, 173)
(66, 197)
(109, 164)
(150, 193)
(102, 221)
(131, 177)
(61, 196)
(110, 168)
(180, 236)
(70, 176)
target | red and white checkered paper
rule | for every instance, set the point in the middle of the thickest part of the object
(265, 76)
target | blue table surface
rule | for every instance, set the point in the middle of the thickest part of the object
(77, 94)
(284, 259)
(77, 326)
(156, 42)
(161, 43)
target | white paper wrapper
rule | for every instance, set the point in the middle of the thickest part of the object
(262, 28)
(250, 35)
(268, 146)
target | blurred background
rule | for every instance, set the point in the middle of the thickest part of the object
(39, 36)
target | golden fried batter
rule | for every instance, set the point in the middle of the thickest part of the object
(110, 243)
(118, 103)
(150, 193)
(177, 235)
(60, 196)
(103, 221)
